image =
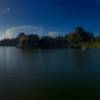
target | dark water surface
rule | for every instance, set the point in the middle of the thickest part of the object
(49, 74)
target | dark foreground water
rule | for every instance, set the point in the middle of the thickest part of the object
(49, 74)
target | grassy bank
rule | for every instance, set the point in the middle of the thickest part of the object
(90, 45)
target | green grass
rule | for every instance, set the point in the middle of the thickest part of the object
(90, 45)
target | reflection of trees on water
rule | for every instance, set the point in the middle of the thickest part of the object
(80, 58)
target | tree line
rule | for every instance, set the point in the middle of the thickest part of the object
(73, 40)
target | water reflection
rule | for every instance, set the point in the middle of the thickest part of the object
(79, 58)
(34, 73)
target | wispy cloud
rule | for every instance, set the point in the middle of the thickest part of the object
(28, 29)
(14, 31)
(53, 34)
(5, 11)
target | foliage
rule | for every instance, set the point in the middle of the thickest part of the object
(74, 38)
(78, 38)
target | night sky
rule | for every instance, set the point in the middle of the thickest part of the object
(48, 17)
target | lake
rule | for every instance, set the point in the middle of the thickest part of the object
(49, 74)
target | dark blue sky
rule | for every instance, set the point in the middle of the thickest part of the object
(53, 15)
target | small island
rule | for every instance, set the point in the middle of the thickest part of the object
(77, 39)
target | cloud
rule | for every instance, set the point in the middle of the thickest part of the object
(28, 29)
(14, 31)
(53, 34)
(5, 11)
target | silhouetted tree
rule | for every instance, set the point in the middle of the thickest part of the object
(47, 42)
(61, 42)
(74, 38)
(33, 41)
(20, 35)
(97, 39)
(79, 30)
(84, 35)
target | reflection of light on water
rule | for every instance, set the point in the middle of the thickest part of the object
(54, 70)
(83, 48)
(7, 57)
(10, 58)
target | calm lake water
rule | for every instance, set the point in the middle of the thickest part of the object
(49, 74)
